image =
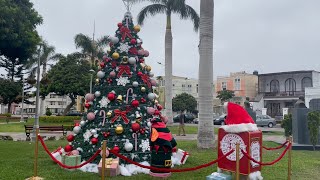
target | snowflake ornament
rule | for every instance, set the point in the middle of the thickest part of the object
(122, 81)
(87, 135)
(104, 102)
(124, 47)
(145, 145)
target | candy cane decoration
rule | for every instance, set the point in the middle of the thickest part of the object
(135, 136)
(128, 91)
(102, 112)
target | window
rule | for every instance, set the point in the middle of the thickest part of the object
(224, 86)
(52, 95)
(172, 84)
(290, 86)
(52, 103)
(183, 85)
(306, 82)
(274, 86)
(61, 103)
(237, 84)
(197, 88)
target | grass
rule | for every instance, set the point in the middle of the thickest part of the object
(17, 163)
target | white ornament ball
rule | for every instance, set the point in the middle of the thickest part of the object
(151, 96)
(149, 124)
(89, 97)
(76, 129)
(135, 84)
(100, 74)
(132, 60)
(97, 93)
(128, 146)
(82, 123)
(114, 40)
(151, 74)
(93, 131)
(139, 41)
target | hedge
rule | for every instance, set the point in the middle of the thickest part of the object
(58, 119)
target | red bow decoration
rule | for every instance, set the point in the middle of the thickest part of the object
(119, 113)
(133, 51)
(145, 78)
(124, 69)
(125, 32)
(113, 64)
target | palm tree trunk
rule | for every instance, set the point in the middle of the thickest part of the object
(205, 131)
(168, 70)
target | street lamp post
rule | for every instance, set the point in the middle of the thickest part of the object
(36, 121)
(91, 71)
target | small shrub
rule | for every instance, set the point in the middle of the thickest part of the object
(287, 125)
(48, 112)
(313, 126)
(59, 119)
(7, 114)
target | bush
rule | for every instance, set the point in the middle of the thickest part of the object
(7, 114)
(58, 119)
(48, 112)
(287, 125)
(313, 126)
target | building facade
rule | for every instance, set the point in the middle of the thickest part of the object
(243, 84)
(282, 90)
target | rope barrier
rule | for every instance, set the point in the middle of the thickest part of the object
(170, 170)
(63, 165)
(268, 163)
(275, 148)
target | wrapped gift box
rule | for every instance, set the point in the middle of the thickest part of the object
(58, 153)
(218, 176)
(72, 160)
(182, 156)
(111, 165)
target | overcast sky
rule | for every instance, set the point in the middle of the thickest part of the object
(268, 36)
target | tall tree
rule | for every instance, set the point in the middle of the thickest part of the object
(71, 77)
(225, 95)
(18, 35)
(205, 130)
(183, 102)
(169, 7)
(90, 48)
(46, 54)
(9, 91)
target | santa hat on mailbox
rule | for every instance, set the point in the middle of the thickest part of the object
(238, 120)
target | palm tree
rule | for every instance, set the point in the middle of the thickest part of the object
(205, 131)
(47, 54)
(169, 7)
(90, 48)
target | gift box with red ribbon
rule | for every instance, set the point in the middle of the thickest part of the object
(111, 167)
(182, 156)
(58, 153)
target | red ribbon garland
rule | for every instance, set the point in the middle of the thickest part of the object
(119, 113)
(185, 153)
(124, 69)
(145, 79)
(170, 170)
(125, 32)
(63, 165)
(268, 163)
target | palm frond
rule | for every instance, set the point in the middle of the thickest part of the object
(56, 57)
(84, 42)
(103, 41)
(152, 10)
(194, 16)
(185, 12)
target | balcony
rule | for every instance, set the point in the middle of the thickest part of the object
(283, 94)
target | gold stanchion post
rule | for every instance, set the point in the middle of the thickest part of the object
(289, 158)
(35, 165)
(104, 148)
(237, 161)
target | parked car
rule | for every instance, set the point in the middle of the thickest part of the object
(189, 118)
(220, 120)
(196, 120)
(265, 120)
(74, 113)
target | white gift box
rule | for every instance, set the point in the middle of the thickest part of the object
(182, 156)
(58, 153)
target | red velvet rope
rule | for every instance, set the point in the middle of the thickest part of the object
(275, 148)
(268, 163)
(170, 170)
(63, 165)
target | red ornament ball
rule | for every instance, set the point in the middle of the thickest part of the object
(135, 127)
(106, 134)
(68, 148)
(70, 137)
(116, 149)
(102, 64)
(111, 96)
(135, 103)
(141, 60)
(87, 105)
(159, 107)
(119, 25)
(133, 41)
(94, 140)
(156, 112)
(76, 124)
(139, 73)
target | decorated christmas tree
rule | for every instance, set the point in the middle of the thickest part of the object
(123, 106)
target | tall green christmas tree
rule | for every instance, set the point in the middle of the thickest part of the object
(123, 103)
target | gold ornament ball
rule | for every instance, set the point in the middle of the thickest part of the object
(136, 28)
(119, 129)
(97, 80)
(115, 55)
(143, 89)
(119, 98)
(148, 68)
(109, 114)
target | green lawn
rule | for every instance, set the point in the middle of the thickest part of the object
(17, 163)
